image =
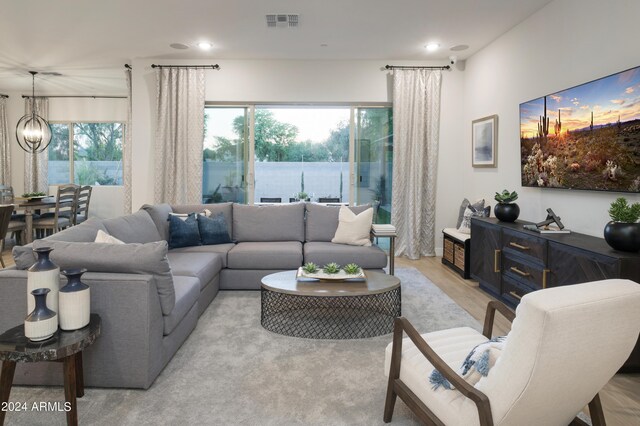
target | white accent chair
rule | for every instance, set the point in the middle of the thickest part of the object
(565, 344)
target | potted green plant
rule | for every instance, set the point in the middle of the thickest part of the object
(623, 232)
(506, 210)
(302, 196)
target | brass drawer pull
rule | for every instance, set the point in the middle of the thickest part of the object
(516, 295)
(519, 272)
(496, 256)
(544, 277)
(518, 246)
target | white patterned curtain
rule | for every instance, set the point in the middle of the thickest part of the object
(36, 165)
(5, 146)
(416, 128)
(126, 149)
(179, 135)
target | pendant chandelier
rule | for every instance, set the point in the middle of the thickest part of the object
(33, 132)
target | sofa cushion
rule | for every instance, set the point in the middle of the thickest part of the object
(268, 223)
(150, 259)
(354, 229)
(213, 230)
(159, 213)
(183, 232)
(263, 255)
(204, 266)
(187, 293)
(133, 228)
(225, 208)
(321, 253)
(103, 237)
(322, 221)
(85, 232)
(221, 249)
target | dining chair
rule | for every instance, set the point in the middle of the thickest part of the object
(82, 206)
(328, 200)
(64, 212)
(5, 218)
(270, 200)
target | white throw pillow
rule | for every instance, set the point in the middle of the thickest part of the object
(184, 216)
(103, 237)
(354, 229)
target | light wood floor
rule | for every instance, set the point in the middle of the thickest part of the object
(620, 397)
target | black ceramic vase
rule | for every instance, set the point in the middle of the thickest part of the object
(506, 212)
(623, 236)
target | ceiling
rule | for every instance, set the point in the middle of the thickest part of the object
(89, 41)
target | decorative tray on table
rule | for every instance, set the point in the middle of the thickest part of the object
(321, 275)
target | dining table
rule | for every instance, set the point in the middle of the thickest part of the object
(30, 205)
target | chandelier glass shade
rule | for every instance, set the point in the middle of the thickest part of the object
(33, 132)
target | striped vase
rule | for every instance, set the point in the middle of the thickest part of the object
(43, 274)
(75, 299)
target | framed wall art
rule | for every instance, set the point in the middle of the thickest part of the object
(484, 141)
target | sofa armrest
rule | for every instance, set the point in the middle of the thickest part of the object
(128, 352)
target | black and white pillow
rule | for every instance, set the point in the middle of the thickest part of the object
(478, 205)
(470, 211)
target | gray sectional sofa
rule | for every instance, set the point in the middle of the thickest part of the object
(150, 297)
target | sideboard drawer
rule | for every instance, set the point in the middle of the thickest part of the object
(531, 274)
(513, 291)
(526, 245)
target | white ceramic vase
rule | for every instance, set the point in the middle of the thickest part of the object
(43, 274)
(42, 322)
(75, 301)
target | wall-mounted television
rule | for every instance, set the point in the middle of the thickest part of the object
(585, 137)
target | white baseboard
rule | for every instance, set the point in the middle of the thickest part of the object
(439, 251)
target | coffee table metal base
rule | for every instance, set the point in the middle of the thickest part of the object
(330, 317)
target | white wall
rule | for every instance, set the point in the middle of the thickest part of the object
(256, 81)
(566, 43)
(105, 201)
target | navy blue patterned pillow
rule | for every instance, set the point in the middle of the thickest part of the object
(213, 230)
(183, 232)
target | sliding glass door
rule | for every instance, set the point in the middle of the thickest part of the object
(282, 153)
(374, 159)
(225, 154)
(301, 153)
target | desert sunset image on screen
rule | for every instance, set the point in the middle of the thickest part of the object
(586, 137)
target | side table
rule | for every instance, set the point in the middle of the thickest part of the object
(64, 346)
(387, 231)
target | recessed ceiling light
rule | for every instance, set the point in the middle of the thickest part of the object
(459, 47)
(431, 47)
(205, 45)
(179, 46)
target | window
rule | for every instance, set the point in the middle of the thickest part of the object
(97, 153)
(257, 153)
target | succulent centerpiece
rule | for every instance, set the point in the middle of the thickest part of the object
(506, 210)
(331, 268)
(623, 232)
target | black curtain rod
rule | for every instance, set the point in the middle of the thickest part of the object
(416, 67)
(77, 96)
(3, 96)
(213, 67)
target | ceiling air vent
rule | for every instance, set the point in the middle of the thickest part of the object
(282, 20)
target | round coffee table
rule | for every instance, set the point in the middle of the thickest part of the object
(352, 309)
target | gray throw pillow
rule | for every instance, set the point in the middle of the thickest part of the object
(85, 232)
(148, 259)
(159, 213)
(477, 206)
(133, 228)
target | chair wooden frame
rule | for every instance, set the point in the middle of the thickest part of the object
(82, 204)
(271, 200)
(67, 198)
(397, 388)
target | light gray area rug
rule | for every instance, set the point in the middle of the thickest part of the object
(231, 371)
